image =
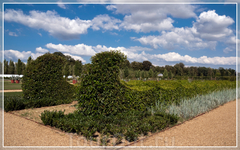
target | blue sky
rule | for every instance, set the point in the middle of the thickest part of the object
(195, 34)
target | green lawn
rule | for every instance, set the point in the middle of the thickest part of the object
(13, 94)
(11, 86)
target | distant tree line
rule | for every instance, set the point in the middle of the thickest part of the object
(14, 68)
(134, 69)
(145, 68)
(71, 66)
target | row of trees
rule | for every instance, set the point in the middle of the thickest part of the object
(134, 69)
(129, 73)
(178, 69)
(14, 68)
(71, 66)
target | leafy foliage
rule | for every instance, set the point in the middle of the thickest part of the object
(5, 66)
(78, 68)
(43, 78)
(145, 94)
(165, 73)
(146, 65)
(126, 72)
(129, 124)
(170, 75)
(137, 74)
(150, 73)
(12, 103)
(101, 91)
(19, 67)
(143, 74)
(11, 67)
(66, 70)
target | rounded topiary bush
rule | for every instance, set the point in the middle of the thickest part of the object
(43, 78)
(101, 91)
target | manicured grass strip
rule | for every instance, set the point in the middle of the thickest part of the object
(13, 93)
(12, 86)
(189, 108)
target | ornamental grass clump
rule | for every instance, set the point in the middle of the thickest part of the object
(189, 108)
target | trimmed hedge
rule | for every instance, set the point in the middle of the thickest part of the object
(102, 92)
(12, 103)
(43, 79)
(170, 91)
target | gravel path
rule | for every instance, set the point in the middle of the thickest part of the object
(19, 131)
(12, 90)
(216, 128)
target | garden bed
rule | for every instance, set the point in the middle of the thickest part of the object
(114, 129)
(35, 113)
(210, 131)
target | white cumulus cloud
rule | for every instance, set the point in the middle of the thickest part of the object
(134, 53)
(41, 50)
(227, 50)
(105, 22)
(176, 57)
(79, 49)
(61, 27)
(61, 5)
(75, 57)
(15, 54)
(148, 17)
(175, 39)
(12, 34)
(208, 29)
(50, 21)
(24, 55)
(211, 26)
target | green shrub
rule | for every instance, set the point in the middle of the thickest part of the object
(12, 103)
(101, 91)
(168, 92)
(43, 78)
(128, 124)
(47, 117)
(43, 85)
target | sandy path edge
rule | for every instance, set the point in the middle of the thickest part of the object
(12, 90)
